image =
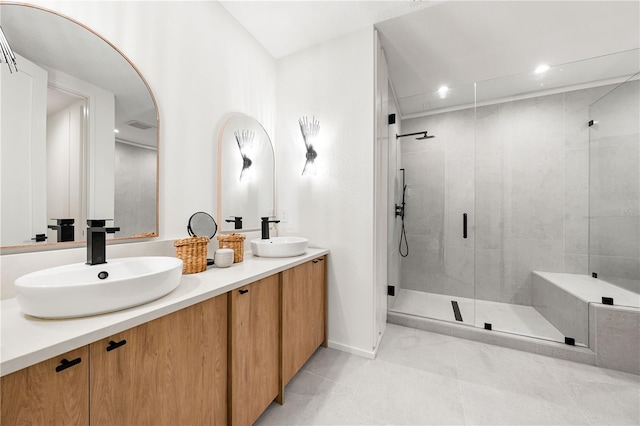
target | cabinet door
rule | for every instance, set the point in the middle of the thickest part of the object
(168, 371)
(53, 392)
(303, 315)
(254, 322)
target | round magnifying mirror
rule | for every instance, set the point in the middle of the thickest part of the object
(201, 224)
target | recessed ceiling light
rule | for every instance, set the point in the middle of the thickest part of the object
(116, 131)
(542, 68)
(443, 89)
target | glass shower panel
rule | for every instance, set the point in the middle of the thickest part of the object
(437, 273)
(614, 196)
(521, 149)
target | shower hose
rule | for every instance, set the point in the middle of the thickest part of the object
(403, 241)
(403, 232)
(403, 237)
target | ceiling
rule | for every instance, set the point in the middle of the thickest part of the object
(455, 43)
(285, 27)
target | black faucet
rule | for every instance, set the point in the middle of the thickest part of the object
(97, 241)
(237, 222)
(64, 228)
(265, 226)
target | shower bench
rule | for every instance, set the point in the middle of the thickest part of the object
(593, 313)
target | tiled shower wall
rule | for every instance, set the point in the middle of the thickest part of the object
(520, 171)
(135, 189)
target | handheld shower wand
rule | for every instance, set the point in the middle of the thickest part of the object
(400, 212)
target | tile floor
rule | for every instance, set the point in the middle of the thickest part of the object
(506, 317)
(425, 378)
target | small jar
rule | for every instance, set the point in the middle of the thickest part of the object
(223, 258)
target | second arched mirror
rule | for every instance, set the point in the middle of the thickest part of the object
(246, 178)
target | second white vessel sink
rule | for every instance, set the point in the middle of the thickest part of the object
(279, 246)
(79, 289)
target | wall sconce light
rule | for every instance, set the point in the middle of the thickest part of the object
(310, 130)
(246, 146)
(7, 54)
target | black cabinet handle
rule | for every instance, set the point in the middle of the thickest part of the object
(243, 291)
(65, 363)
(115, 345)
(464, 225)
(318, 260)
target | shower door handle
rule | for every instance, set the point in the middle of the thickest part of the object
(464, 225)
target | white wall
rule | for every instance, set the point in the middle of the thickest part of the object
(201, 65)
(334, 209)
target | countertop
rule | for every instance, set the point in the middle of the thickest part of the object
(27, 340)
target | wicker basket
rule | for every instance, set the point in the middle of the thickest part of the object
(193, 252)
(235, 242)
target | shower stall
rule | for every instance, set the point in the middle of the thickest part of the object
(529, 190)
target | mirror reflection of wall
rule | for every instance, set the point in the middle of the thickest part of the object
(65, 151)
(246, 174)
(135, 188)
(61, 155)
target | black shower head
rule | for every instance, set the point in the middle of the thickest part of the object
(424, 135)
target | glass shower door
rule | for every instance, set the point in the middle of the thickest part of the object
(520, 200)
(437, 270)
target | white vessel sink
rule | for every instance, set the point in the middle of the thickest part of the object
(279, 246)
(80, 290)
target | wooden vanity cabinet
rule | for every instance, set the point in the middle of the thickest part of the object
(168, 371)
(304, 300)
(254, 349)
(219, 362)
(52, 392)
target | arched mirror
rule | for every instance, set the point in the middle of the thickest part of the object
(79, 136)
(246, 179)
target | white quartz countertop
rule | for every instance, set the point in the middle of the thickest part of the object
(26, 340)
